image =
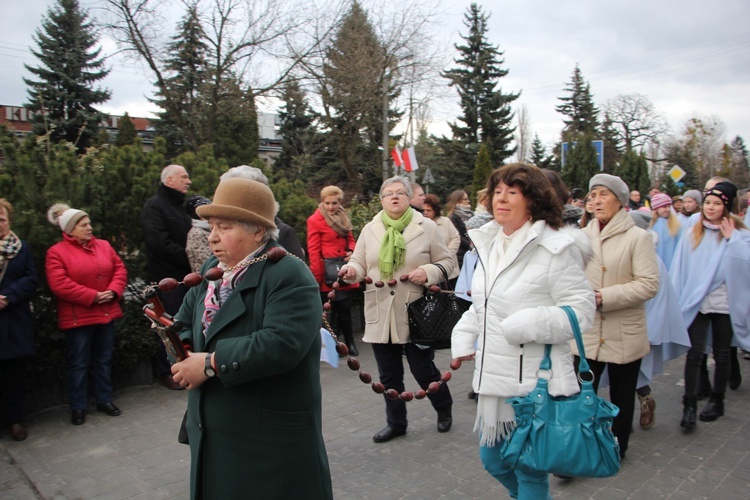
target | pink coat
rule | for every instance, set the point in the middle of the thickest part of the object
(75, 274)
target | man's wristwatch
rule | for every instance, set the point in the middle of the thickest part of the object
(209, 371)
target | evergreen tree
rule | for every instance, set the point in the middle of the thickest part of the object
(486, 113)
(578, 108)
(356, 77)
(581, 163)
(235, 132)
(126, 134)
(611, 150)
(298, 131)
(539, 155)
(63, 95)
(482, 171)
(181, 95)
(633, 170)
(740, 167)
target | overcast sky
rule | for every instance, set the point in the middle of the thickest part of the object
(690, 58)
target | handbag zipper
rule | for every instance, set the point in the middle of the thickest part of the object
(520, 366)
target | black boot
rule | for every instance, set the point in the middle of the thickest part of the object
(689, 407)
(714, 409)
(353, 349)
(704, 383)
(735, 374)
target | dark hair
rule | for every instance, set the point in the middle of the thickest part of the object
(433, 201)
(558, 185)
(535, 187)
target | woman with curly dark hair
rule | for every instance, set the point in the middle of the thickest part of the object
(527, 268)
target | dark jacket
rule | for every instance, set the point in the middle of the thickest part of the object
(76, 273)
(165, 224)
(288, 239)
(16, 324)
(465, 245)
(255, 429)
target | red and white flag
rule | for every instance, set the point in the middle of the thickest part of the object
(410, 159)
(396, 155)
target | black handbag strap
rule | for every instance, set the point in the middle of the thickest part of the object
(445, 274)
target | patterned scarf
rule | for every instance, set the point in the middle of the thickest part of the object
(9, 247)
(393, 248)
(339, 221)
(216, 296)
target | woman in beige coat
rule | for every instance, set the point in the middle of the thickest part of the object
(399, 241)
(431, 210)
(624, 274)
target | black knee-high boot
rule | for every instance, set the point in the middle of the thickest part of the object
(689, 408)
(714, 409)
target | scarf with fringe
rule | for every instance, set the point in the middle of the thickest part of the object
(339, 221)
(392, 254)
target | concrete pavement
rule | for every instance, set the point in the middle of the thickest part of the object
(136, 455)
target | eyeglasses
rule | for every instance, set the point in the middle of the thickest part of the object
(391, 194)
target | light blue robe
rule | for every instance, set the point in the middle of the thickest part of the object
(667, 243)
(697, 272)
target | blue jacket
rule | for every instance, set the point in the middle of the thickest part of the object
(16, 324)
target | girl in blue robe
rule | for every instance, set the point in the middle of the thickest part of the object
(667, 226)
(710, 272)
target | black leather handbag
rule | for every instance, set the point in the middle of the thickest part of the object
(433, 316)
(332, 267)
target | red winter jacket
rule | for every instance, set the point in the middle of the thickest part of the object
(75, 274)
(322, 243)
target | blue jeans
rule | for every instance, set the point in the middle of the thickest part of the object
(521, 485)
(83, 342)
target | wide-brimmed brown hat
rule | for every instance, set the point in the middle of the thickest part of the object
(242, 200)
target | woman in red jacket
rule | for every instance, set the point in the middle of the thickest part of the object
(329, 238)
(88, 279)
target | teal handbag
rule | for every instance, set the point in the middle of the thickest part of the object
(569, 436)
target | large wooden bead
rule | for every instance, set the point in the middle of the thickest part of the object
(168, 284)
(335, 285)
(378, 387)
(455, 364)
(365, 377)
(192, 279)
(392, 282)
(368, 280)
(434, 289)
(404, 278)
(406, 396)
(341, 349)
(331, 295)
(327, 306)
(391, 394)
(214, 274)
(276, 254)
(379, 284)
(446, 376)
(353, 364)
(433, 387)
(420, 394)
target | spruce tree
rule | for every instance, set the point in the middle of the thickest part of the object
(581, 163)
(63, 94)
(612, 149)
(482, 171)
(299, 134)
(539, 155)
(581, 115)
(633, 169)
(126, 134)
(486, 113)
(740, 167)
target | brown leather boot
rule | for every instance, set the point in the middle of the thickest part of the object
(648, 409)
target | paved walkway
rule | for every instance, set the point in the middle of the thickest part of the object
(136, 455)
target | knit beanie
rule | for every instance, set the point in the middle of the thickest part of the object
(194, 202)
(65, 217)
(242, 200)
(614, 184)
(726, 191)
(660, 200)
(694, 194)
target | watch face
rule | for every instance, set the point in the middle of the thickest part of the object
(210, 372)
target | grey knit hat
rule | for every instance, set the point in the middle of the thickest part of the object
(694, 194)
(614, 184)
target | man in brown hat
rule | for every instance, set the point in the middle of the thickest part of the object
(253, 376)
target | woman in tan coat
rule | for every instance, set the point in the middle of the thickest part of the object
(400, 241)
(624, 274)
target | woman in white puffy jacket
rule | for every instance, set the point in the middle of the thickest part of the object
(527, 270)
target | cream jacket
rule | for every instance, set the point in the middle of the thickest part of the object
(385, 308)
(625, 270)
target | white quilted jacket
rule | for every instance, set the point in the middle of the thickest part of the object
(515, 313)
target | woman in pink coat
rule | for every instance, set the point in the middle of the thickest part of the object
(88, 278)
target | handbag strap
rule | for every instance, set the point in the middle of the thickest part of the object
(583, 365)
(445, 274)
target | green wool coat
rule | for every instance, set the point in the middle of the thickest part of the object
(255, 429)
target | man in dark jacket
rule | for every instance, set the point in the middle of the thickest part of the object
(165, 224)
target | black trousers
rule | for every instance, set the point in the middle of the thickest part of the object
(391, 367)
(622, 382)
(721, 333)
(12, 378)
(340, 316)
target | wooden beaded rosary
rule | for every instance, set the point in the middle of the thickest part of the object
(167, 328)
